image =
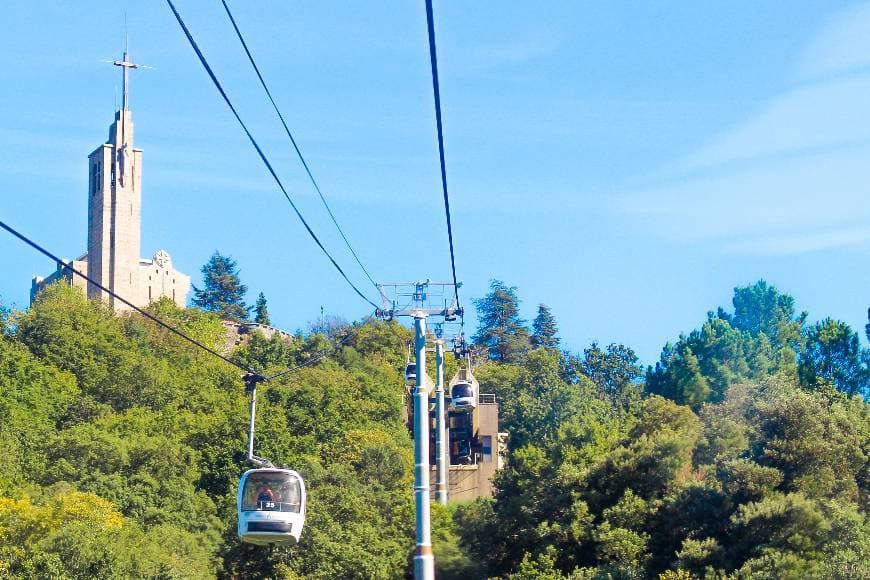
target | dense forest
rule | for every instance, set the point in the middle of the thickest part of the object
(743, 453)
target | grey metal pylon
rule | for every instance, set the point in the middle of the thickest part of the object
(441, 463)
(424, 560)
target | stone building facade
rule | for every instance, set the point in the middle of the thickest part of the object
(114, 227)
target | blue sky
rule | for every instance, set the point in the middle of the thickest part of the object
(626, 164)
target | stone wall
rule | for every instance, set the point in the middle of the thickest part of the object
(239, 333)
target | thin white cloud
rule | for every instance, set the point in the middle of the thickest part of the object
(800, 243)
(496, 55)
(832, 109)
(841, 46)
(794, 177)
(815, 117)
(824, 190)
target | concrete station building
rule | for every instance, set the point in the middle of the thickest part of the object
(466, 482)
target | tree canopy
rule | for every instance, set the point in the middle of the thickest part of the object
(123, 445)
(223, 292)
(613, 370)
(739, 455)
(501, 330)
(261, 311)
(833, 355)
(746, 457)
(545, 330)
(762, 337)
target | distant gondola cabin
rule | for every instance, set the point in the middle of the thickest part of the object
(462, 396)
(411, 374)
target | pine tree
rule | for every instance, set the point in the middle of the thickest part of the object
(833, 355)
(261, 312)
(544, 329)
(223, 291)
(692, 386)
(501, 331)
(761, 308)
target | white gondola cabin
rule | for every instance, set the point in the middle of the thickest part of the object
(271, 506)
(411, 374)
(462, 396)
(463, 391)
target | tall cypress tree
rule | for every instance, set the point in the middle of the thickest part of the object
(501, 331)
(223, 291)
(261, 311)
(545, 329)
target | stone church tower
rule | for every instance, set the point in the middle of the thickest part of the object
(114, 225)
(115, 211)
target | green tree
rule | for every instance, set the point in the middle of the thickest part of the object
(678, 376)
(223, 291)
(767, 483)
(501, 330)
(122, 410)
(782, 524)
(35, 399)
(85, 337)
(261, 312)
(819, 446)
(545, 329)
(762, 309)
(614, 370)
(64, 533)
(121, 447)
(263, 353)
(5, 316)
(757, 341)
(832, 354)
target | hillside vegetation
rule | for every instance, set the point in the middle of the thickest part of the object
(742, 454)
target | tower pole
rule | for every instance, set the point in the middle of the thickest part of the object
(251, 380)
(441, 469)
(424, 560)
(253, 391)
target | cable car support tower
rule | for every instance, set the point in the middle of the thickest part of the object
(427, 300)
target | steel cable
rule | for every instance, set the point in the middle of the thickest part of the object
(295, 146)
(262, 155)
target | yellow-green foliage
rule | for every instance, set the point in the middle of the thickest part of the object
(121, 446)
(66, 533)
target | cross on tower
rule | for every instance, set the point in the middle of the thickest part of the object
(125, 64)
